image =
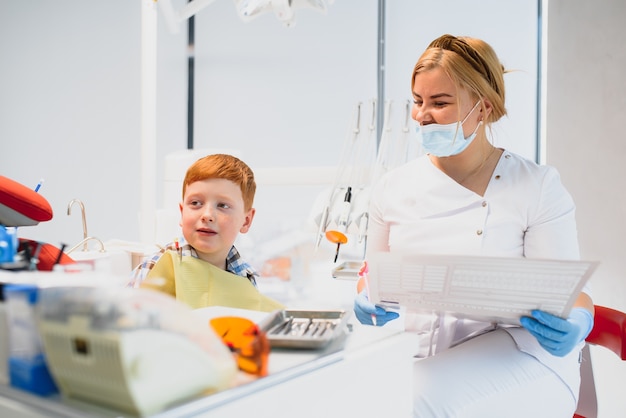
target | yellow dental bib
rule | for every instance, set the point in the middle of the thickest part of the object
(200, 284)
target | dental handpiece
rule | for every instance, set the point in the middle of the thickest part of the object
(339, 236)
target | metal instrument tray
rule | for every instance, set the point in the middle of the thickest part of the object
(304, 329)
(347, 270)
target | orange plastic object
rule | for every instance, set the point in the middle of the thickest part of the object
(336, 237)
(277, 267)
(246, 341)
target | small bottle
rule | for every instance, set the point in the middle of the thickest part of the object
(27, 364)
(4, 340)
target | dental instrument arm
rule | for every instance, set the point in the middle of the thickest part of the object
(339, 236)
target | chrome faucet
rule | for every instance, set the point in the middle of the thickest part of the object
(84, 242)
(82, 210)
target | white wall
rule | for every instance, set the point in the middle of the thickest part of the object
(585, 141)
(70, 102)
(69, 111)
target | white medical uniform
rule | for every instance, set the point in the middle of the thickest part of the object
(525, 212)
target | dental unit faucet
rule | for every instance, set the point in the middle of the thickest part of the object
(84, 242)
(85, 236)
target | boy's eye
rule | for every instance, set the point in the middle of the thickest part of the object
(195, 203)
(223, 205)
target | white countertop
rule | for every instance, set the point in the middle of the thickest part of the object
(377, 352)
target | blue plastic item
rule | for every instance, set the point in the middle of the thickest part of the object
(27, 364)
(8, 244)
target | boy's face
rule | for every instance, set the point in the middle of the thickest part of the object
(212, 215)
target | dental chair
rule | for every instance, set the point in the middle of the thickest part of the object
(609, 331)
(22, 207)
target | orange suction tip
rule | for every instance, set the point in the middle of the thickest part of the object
(336, 237)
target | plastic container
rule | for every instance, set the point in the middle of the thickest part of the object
(135, 350)
(8, 244)
(27, 363)
(4, 340)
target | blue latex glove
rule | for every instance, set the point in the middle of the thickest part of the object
(557, 335)
(364, 309)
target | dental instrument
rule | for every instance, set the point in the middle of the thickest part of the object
(304, 329)
(339, 236)
(346, 153)
(383, 158)
(34, 260)
(38, 185)
(364, 274)
(363, 224)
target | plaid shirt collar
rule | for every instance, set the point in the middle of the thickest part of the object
(234, 263)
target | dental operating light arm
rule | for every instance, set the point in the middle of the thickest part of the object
(246, 9)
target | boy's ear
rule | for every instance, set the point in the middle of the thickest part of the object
(180, 222)
(247, 221)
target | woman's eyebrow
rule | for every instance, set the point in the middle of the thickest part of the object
(441, 95)
(436, 96)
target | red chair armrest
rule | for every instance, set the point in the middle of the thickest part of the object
(609, 330)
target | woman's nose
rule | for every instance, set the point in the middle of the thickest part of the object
(418, 113)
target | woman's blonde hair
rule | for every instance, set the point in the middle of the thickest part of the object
(471, 64)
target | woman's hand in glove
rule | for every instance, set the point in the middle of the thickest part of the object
(557, 335)
(364, 310)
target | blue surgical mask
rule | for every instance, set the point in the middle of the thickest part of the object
(445, 140)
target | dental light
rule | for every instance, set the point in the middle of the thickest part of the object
(246, 9)
(283, 9)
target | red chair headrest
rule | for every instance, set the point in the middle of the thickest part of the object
(20, 205)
